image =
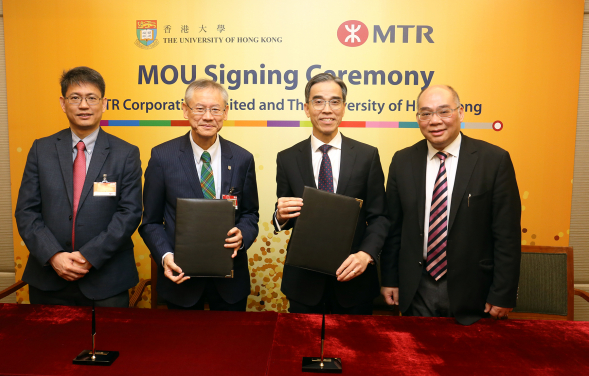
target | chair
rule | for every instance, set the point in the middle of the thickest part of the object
(546, 284)
(133, 300)
(155, 303)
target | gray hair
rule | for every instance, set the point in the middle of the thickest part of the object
(323, 77)
(202, 84)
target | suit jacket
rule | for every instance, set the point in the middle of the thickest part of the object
(104, 225)
(484, 238)
(360, 177)
(171, 174)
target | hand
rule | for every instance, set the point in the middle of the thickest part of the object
(235, 241)
(287, 208)
(67, 265)
(391, 295)
(85, 265)
(498, 313)
(353, 266)
(169, 266)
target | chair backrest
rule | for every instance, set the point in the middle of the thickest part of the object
(546, 284)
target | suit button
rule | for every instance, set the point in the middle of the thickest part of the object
(421, 234)
(71, 217)
(68, 243)
(420, 263)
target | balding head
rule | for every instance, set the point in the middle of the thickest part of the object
(443, 87)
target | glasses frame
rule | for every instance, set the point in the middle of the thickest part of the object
(207, 109)
(436, 113)
(325, 103)
(68, 99)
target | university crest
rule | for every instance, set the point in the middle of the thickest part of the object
(146, 34)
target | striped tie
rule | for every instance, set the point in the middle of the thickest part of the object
(207, 182)
(436, 263)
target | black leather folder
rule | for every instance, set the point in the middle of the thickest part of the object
(201, 229)
(323, 235)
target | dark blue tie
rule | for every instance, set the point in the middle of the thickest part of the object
(325, 173)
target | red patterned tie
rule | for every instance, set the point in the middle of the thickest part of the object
(79, 177)
(325, 174)
(436, 263)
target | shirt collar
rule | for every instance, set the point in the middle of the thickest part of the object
(453, 149)
(197, 150)
(336, 142)
(89, 141)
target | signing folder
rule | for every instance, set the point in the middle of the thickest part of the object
(323, 235)
(201, 229)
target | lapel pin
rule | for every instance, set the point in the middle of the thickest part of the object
(229, 167)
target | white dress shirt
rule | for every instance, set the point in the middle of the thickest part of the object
(433, 166)
(335, 156)
(215, 152)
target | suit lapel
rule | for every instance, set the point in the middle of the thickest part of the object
(419, 167)
(305, 163)
(466, 162)
(99, 154)
(346, 167)
(226, 168)
(186, 157)
(63, 144)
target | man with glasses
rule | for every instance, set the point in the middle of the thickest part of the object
(200, 164)
(79, 203)
(454, 244)
(330, 161)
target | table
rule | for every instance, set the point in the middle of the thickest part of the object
(43, 340)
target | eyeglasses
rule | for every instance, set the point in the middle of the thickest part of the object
(442, 113)
(334, 104)
(199, 110)
(76, 100)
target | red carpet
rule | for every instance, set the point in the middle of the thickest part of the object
(385, 345)
(43, 340)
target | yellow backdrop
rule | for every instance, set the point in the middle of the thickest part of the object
(516, 63)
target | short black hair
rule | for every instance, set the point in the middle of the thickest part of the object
(322, 77)
(81, 75)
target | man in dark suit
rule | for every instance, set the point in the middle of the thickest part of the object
(77, 228)
(350, 168)
(181, 168)
(454, 247)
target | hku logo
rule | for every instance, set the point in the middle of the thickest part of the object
(146, 34)
(352, 33)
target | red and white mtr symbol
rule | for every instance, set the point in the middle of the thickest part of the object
(352, 33)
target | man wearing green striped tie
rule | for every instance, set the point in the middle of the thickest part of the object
(200, 164)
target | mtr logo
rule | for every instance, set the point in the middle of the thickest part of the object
(354, 33)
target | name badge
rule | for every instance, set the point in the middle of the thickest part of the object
(105, 188)
(231, 198)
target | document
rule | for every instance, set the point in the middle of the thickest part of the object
(201, 229)
(323, 235)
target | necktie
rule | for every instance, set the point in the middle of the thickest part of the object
(79, 177)
(207, 182)
(436, 263)
(325, 174)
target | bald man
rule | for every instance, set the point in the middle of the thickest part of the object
(454, 245)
